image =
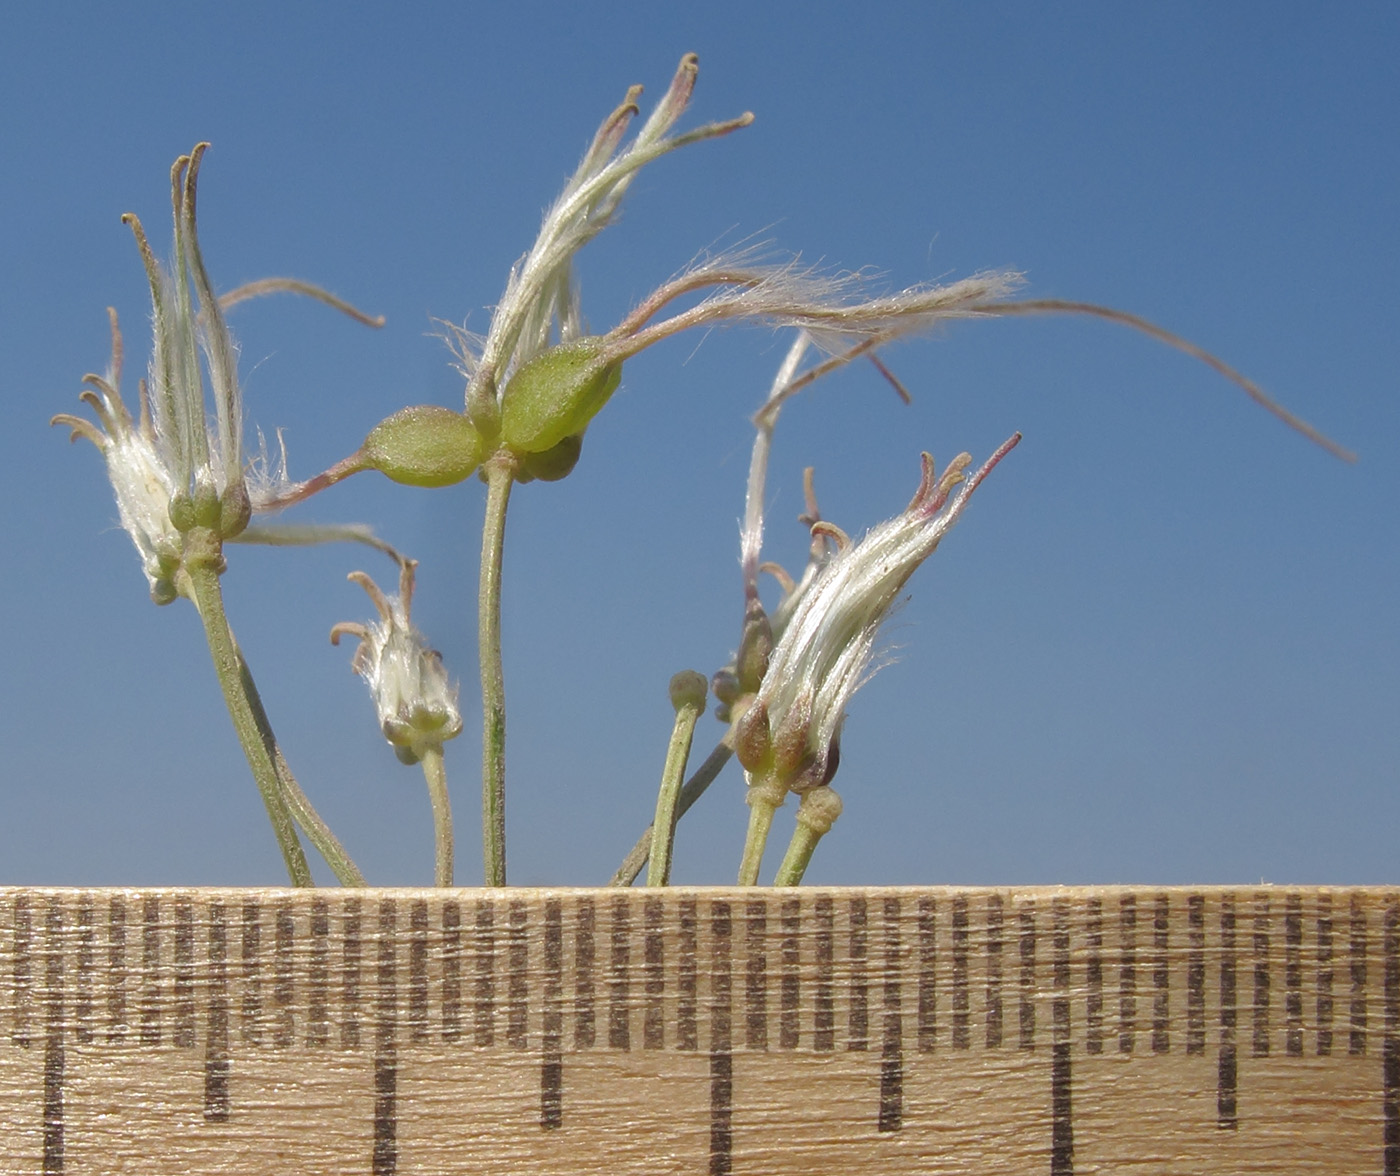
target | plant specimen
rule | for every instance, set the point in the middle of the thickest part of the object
(535, 383)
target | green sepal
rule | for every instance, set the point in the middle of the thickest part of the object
(556, 394)
(425, 445)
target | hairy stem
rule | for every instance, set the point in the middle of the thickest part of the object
(202, 578)
(816, 813)
(500, 474)
(764, 800)
(663, 827)
(798, 856)
(694, 789)
(436, 775)
(327, 844)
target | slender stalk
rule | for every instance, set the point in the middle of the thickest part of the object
(327, 844)
(500, 474)
(764, 800)
(299, 804)
(256, 740)
(694, 789)
(815, 815)
(799, 854)
(688, 692)
(436, 775)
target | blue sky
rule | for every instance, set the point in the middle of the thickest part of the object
(1161, 646)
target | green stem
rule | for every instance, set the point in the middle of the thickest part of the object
(302, 810)
(764, 800)
(815, 815)
(663, 828)
(436, 775)
(799, 854)
(327, 844)
(694, 789)
(203, 581)
(500, 474)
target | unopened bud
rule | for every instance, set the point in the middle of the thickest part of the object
(235, 510)
(725, 687)
(555, 395)
(425, 445)
(755, 647)
(819, 809)
(752, 740)
(790, 740)
(688, 690)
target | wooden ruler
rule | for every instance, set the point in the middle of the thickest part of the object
(885, 1031)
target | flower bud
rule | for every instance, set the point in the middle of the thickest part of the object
(689, 689)
(819, 809)
(554, 395)
(753, 741)
(425, 445)
(755, 648)
(790, 740)
(235, 511)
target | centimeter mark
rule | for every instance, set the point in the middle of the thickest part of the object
(1264, 973)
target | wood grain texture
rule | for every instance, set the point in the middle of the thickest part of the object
(892, 1031)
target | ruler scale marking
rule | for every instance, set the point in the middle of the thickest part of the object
(858, 1013)
(116, 970)
(687, 978)
(1127, 973)
(151, 1003)
(54, 1059)
(1293, 975)
(1356, 1044)
(351, 954)
(928, 975)
(756, 975)
(1093, 978)
(418, 1017)
(891, 1115)
(1226, 1100)
(1061, 1078)
(552, 1062)
(1025, 1016)
(1390, 1059)
(654, 958)
(789, 1015)
(216, 1043)
(995, 924)
(83, 1001)
(318, 1027)
(824, 1004)
(385, 1151)
(836, 971)
(518, 975)
(1161, 975)
(1324, 976)
(721, 1057)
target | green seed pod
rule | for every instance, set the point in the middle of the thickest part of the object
(556, 394)
(426, 445)
(554, 463)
